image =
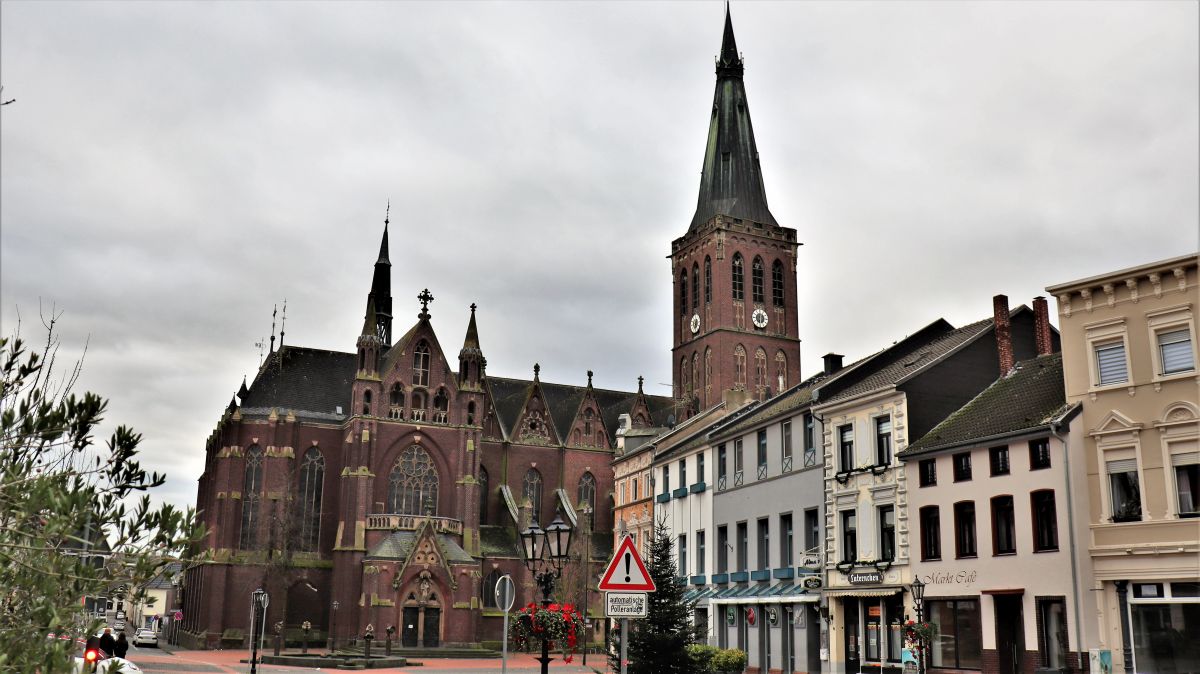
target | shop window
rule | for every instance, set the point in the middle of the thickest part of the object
(883, 620)
(1045, 520)
(959, 639)
(962, 466)
(928, 472)
(998, 458)
(931, 534)
(1125, 496)
(964, 529)
(1039, 454)
(1164, 635)
(1004, 535)
(1052, 633)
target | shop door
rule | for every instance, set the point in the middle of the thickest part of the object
(1010, 641)
(408, 636)
(787, 641)
(431, 637)
(814, 642)
(764, 642)
(851, 631)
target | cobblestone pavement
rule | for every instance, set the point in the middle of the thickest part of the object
(154, 661)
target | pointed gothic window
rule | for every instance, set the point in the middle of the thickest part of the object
(739, 290)
(488, 591)
(756, 280)
(684, 385)
(683, 298)
(413, 483)
(695, 372)
(532, 491)
(695, 287)
(471, 413)
(760, 368)
(421, 364)
(781, 371)
(251, 486)
(777, 283)
(441, 407)
(707, 279)
(739, 366)
(366, 403)
(397, 395)
(484, 495)
(588, 416)
(587, 496)
(707, 373)
(312, 478)
(418, 411)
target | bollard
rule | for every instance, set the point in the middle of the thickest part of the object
(387, 646)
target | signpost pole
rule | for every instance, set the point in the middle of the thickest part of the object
(506, 594)
(624, 643)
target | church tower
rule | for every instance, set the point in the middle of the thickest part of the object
(734, 270)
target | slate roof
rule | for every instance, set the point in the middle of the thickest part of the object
(888, 367)
(400, 544)
(794, 398)
(509, 396)
(163, 580)
(304, 380)
(1028, 399)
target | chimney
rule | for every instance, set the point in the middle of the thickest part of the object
(833, 363)
(1041, 327)
(1003, 333)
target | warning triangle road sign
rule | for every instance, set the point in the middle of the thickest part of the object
(626, 572)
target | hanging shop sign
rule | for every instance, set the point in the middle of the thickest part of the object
(751, 616)
(730, 616)
(772, 615)
(812, 582)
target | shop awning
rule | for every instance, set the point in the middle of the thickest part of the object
(865, 592)
(779, 593)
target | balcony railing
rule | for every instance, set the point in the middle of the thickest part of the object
(762, 471)
(737, 478)
(388, 522)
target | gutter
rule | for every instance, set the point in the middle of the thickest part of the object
(1065, 417)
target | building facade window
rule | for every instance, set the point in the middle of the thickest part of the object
(927, 470)
(964, 529)
(1004, 534)
(532, 491)
(1039, 454)
(722, 549)
(762, 454)
(1111, 367)
(887, 532)
(1126, 499)
(695, 287)
(700, 468)
(812, 529)
(413, 483)
(764, 543)
(757, 280)
(700, 552)
(666, 474)
(959, 642)
(586, 493)
(683, 473)
(777, 283)
(312, 482)
(962, 466)
(931, 534)
(1045, 520)
(721, 466)
(682, 548)
(883, 441)
(487, 591)
(251, 486)
(786, 546)
(1052, 632)
(739, 278)
(366, 403)
(849, 536)
(743, 547)
(810, 440)
(846, 447)
(738, 465)
(421, 364)
(998, 458)
(1175, 351)
(683, 297)
(785, 438)
(1187, 484)
(760, 369)
(739, 366)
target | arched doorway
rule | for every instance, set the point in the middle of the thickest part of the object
(421, 610)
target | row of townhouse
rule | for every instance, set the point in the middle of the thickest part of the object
(1042, 489)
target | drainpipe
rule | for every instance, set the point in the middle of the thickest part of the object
(1071, 537)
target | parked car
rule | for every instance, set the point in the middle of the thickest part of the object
(145, 637)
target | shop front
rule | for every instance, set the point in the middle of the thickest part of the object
(1164, 621)
(776, 625)
(870, 623)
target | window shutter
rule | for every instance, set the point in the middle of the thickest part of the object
(1176, 349)
(1122, 466)
(1110, 360)
(1185, 458)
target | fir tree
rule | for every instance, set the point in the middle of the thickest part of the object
(658, 643)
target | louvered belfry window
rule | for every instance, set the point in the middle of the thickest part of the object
(757, 280)
(739, 278)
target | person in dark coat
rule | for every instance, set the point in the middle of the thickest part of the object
(122, 646)
(108, 643)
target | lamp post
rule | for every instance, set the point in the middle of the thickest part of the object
(369, 636)
(306, 626)
(258, 599)
(545, 553)
(332, 630)
(918, 593)
(387, 647)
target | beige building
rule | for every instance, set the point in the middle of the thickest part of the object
(1129, 356)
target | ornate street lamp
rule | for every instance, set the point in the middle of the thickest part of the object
(918, 593)
(333, 628)
(545, 554)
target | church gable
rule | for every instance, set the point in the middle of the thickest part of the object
(587, 429)
(535, 426)
(418, 383)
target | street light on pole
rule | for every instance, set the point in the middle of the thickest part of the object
(333, 628)
(545, 553)
(258, 599)
(918, 593)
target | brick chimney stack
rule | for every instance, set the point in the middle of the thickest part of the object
(1041, 327)
(1004, 347)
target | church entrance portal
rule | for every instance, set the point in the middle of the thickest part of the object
(422, 613)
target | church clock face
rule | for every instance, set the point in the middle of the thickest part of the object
(695, 323)
(760, 318)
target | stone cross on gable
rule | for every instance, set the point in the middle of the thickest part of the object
(424, 298)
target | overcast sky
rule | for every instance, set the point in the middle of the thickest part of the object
(171, 171)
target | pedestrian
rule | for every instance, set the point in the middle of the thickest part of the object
(122, 645)
(108, 643)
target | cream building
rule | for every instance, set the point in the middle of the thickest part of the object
(1129, 356)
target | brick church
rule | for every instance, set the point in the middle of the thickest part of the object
(386, 485)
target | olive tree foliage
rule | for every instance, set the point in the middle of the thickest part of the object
(75, 521)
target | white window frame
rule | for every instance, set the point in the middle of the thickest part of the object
(875, 436)
(1179, 431)
(1171, 319)
(1119, 453)
(1099, 335)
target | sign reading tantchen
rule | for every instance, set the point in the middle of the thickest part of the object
(866, 577)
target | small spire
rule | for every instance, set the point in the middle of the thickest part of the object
(243, 391)
(383, 245)
(589, 378)
(370, 323)
(730, 61)
(472, 339)
(283, 324)
(232, 405)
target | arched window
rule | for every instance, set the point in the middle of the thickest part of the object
(418, 411)
(251, 486)
(777, 283)
(397, 396)
(421, 364)
(739, 366)
(413, 484)
(587, 495)
(441, 406)
(532, 491)
(781, 370)
(695, 286)
(707, 279)
(488, 590)
(471, 413)
(739, 278)
(683, 306)
(366, 403)
(756, 279)
(588, 417)
(760, 368)
(484, 495)
(312, 480)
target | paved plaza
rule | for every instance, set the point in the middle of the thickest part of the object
(154, 661)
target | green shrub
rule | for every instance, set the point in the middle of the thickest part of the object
(702, 656)
(729, 660)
